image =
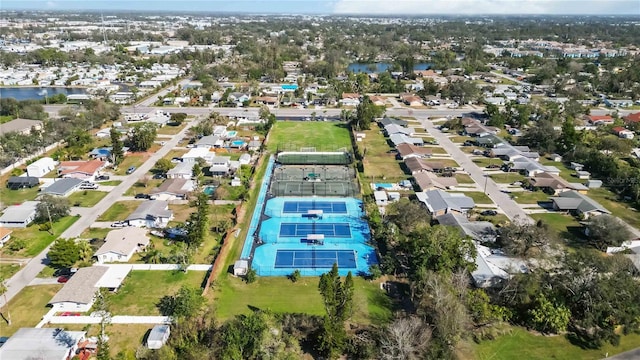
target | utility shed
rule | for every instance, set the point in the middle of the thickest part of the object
(158, 336)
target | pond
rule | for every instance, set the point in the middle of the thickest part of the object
(37, 93)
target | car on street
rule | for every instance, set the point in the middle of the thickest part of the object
(119, 224)
(489, 213)
(131, 170)
(63, 279)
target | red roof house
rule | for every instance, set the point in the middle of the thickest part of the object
(632, 118)
(86, 170)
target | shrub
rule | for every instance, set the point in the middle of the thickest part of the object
(17, 245)
(295, 276)
(251, 276)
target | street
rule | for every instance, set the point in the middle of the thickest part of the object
(30, 271)
(502, 200)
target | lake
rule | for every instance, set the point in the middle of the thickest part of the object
(37, 93)
(380, 67)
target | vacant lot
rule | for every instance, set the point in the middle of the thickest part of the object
(617, 206)
(130, 160)
(171, 130)
(36, 240)
(379, 162)
(524, 345)
(485, 161)
(12, 197)
(529, 197)
(464, 179)
(507, 178)
(8, 270)
(478, 197)
(279, 294)
(86, 198)
(143, 186)
(142, 290)
(27, 307)
(292, 135)
(119, 210)
(565, 225)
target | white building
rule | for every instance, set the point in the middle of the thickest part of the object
(41, 167)
(121, 244)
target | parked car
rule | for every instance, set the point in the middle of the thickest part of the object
(102, 177)
(489, 213)
(142, 196)
(63, 279)
(131, 170)
(493, 166)
(118, 224)
(89, 186)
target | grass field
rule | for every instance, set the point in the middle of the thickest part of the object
(27, 307)
(141, 290)
(110, 182)
(86, 198)
(529, 197)
(130, 160)
(119, 210)
(437, 150)
(523, 345)
(507, 178)
(140, 188)
(12, 197)
(8, 270)
(322, 135)
(477, 196)
(460, 139)
(378, 161)
(37, 240)
(279, 294)
(566, 226)
(485, 161)
(171, 130)
(617, 207)
(464, 179)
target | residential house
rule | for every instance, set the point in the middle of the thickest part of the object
(406, 151)
(62, 187)
(151, 214)
(79, 293)
(398, 139)
(430, 181)
(245, 159)
(5, 235)
(493, 267)
(417, 165)
(576, 166)
(211, 141)
(387, 121)
(599, 119)
(41, 167)
(42, 343)
(173, 189)
(238, 98)
(482, 231)
(632, 118)
(22, 182)
(381, 197)
(623, 133)
(183, 170)
(583, 175)
(220, 165)
(266, 100)
(195, 153)
(19, 216)
(104, 153)
(498, 101)
(254, 145)
(378, 100)
(555, 157)
(530, 167)
(489, 141)
(350, 99)
(554, 184)
(412, 100)
(396, 129)
(21, 126)
(578, 204)
(440, 202)
(121, 244)
(84, 170)
(220, 131)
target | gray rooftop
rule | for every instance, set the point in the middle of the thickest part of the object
(62, 186)
(19, 213)
(182, 168)
(209, 140)
(477, 230)
(438, 200)
(151, 209)
(81, 287)
(573, 200)
(40, 343)
(123, 241)
(18, 125)
(174, 186)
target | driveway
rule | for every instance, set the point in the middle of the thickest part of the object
(504, 202)
(23, 277)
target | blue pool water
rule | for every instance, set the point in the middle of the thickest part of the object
(232, 133)
(209, 190)
(237, 143)
(384, 186)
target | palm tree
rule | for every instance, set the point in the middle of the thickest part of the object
(3, 291)
(153, 256)
(85, 250)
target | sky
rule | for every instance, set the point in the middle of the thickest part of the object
(340, 7)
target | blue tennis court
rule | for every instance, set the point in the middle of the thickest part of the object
(346, 259)
(301, 230)
(302, 207)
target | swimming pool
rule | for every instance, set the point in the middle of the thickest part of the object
(237, 143)
(383, 185)
(209, 190)
(232, 133)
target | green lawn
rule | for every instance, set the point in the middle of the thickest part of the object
(617, 207)
(122, 337)
(485, 161)
(91, 233)
(12, 197)
(119, 210)
(5, 118)
(507, 178)
(37, 240)
(529, 197)
(141, 290)
(28, 307)
(460, 139)
(437, 150)
(378, 161)
(110, 182)
(140, 188)
(171, 130)
(463, 179)
(130, 160)
(523, 345)
(86, 198)
(8, 270)
(565, 225)
(477, 196)
(279, 294)
(292, 135)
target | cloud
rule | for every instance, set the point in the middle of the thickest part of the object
(498, 7)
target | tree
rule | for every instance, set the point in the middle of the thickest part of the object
(186, 303)
(197, 173)
(405, 338)
(605, 230)
(117, 151)
(164, 165)
(519, 238)
(569, 137)
(251, 276)
(337, 297)
(85, 251)
(549, 317)
(142, 136)
(177, 118)
(198, 224)
(51, 209)
(407, 215)
(64, 253)
(542, 136)
(366, 112)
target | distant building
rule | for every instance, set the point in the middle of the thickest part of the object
(22, 126)
(41, 343)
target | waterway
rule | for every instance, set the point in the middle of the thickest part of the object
(37, 93)
(380, 67)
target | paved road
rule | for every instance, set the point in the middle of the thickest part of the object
(160, 94)
(504, 202)
(511, 78)
(629, 355)
(23, 277)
